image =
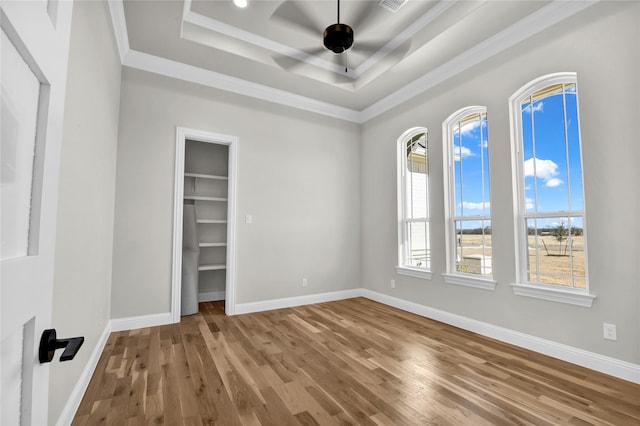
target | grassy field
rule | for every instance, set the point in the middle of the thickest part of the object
(551, 263)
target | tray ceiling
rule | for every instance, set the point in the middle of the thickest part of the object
(277, 45)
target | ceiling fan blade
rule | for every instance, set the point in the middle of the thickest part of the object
(367, 46)
(366, 9)
(394, 57)
(340, 60)
(290, 63)
(397, 54)
(372, 48)
(293, 13)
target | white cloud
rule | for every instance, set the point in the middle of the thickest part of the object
(469, 127)
(537, 107)
(475, 206)
(461, 152)
(528, 203)
(553, 182)
(546, 170)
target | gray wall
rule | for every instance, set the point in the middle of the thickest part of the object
(601, 45)
(299, 176)
(84, 241)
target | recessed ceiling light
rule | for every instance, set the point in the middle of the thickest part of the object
(240, 3)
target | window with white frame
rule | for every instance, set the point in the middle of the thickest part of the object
(414, 247)
(467, 198)
(550, 222)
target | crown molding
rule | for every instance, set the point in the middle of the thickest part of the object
(168, 68)
(119, 23)
(192, 74)
(527, 27)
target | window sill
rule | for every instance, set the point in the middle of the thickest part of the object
(413, 272)
(572, 297)
(469, 281)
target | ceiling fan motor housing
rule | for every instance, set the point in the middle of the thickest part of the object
(338, 37)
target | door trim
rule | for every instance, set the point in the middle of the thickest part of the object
(182, 134)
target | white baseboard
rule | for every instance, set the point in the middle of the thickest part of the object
(211, 296)
(604, 364)
(132, 323)
(289, 302)
(70, 408)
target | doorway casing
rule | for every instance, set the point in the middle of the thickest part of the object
(182, 135)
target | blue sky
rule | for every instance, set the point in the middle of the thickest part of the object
(550, 176)
(471, 172)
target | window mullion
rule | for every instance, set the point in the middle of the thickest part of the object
(482, 164)
(551, 215)
(461, 174)
(568, 166)
(533, 151)
(537, 246)
(566, 146)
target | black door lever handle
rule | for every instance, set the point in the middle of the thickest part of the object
(49, 344)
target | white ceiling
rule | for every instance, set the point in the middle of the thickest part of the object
(273, 49)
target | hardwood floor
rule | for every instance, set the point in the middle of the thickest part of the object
(347, 362)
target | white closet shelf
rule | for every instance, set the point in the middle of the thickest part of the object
(211, 221)
(203, 198)
(205, 176)
(211, 267)
(212, 244)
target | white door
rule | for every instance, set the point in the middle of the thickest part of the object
(34, 49)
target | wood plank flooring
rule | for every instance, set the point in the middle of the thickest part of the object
(351, 362)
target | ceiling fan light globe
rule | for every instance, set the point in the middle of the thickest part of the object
(338, 37)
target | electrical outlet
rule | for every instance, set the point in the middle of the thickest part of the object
(248, 219)
(609, 331)
(393, 283)
(305, 283)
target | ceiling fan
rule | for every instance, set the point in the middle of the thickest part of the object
(338, 37)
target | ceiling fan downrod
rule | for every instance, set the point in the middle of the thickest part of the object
(338, 37)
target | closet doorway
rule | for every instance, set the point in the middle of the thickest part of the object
(204, 220)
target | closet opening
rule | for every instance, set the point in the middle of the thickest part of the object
(204, 225)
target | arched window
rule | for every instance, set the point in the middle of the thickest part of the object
(467, 198)
(414, 246)
(548, 183)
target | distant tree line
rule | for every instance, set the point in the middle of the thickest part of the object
(475, 231)
(558, 231)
